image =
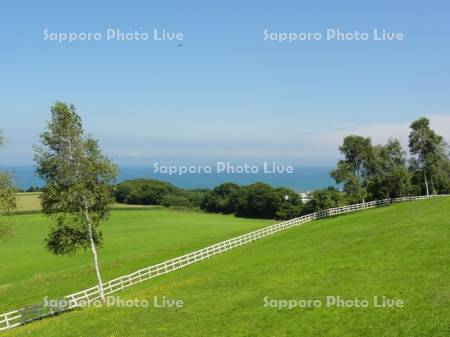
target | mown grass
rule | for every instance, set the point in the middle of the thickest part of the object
(401, 251)
(29, 203)
(132, 240)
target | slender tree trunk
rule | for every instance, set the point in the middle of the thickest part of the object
(426, 183)
(433, 188)
(96, 266)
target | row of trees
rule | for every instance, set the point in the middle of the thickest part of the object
(257, 200)
(370, 172)
(367, 172)
(156, 192)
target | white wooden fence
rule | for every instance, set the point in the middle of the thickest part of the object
(21, 316)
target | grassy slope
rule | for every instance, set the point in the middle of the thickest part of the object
(133, 239)
(401, 251)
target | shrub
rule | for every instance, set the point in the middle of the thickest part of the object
(323, 199)
(174, 200)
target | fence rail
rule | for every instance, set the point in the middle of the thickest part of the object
(24, 315)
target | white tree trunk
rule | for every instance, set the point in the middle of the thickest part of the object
(426, 183)
(96, 266)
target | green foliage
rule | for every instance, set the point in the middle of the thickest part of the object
(156, 192)
(222, 199)
(175, 200)
(7, 194)
(352, 170)
(7, 201)
(194, 196)
(324, 199)
(77, 179)
(378, 172)
(388, 175)
(68, 235)
(33, 189)
(256, 200)
(430, 164)
(143, 191)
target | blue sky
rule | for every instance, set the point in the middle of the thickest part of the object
(226, 93)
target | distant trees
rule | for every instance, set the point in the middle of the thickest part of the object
(77, 191)
(325, 198)
(175, 201)
(7, 200)
(366, 172)
(256, 200)
(33, 189)
(381, 171)
(143, 191)
(387, 174)
(353, 169)
(430, 163)
(222, 199)
(156, 192)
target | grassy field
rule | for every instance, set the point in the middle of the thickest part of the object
(29, 202)
(401, 252)
(133, 239)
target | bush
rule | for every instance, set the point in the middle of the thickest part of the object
(323, 199)
(174, 200)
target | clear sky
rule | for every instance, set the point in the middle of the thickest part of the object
(224, 93)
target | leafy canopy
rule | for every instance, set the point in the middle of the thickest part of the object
(77, 178)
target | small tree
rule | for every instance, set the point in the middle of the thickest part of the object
(77, 191)
(7, 200)
(323, 199)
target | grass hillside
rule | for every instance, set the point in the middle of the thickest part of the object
(133, 239)
(401, 252)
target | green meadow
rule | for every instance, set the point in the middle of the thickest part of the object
(29, 202)
(401, 252)
(133, 239)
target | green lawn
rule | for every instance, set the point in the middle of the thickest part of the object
(133, 239)
(401, 251)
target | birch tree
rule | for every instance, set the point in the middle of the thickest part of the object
(77, 191)
(430, 157)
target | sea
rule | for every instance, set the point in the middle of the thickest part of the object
(302, 179)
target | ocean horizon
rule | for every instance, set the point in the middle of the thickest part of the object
(302, 179)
